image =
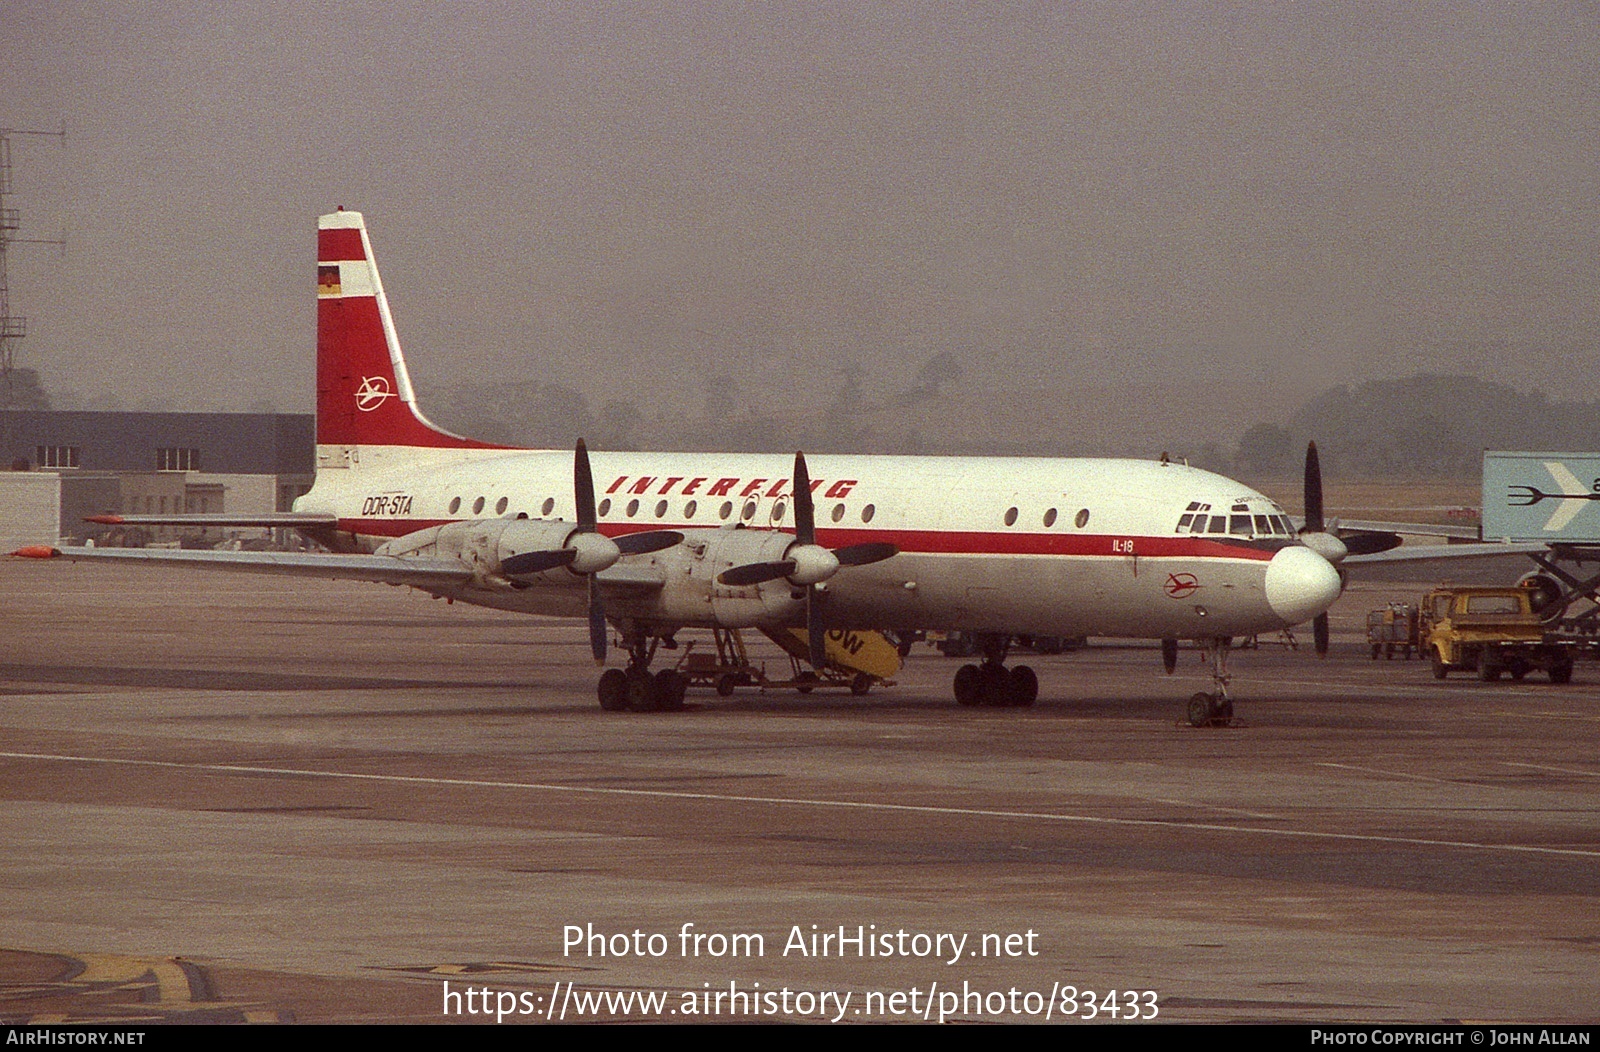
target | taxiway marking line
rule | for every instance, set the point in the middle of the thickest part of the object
(796, 801)
(1546, 767)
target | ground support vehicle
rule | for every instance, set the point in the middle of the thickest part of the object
(1393, 628)
(1492, 631)
(729, 668)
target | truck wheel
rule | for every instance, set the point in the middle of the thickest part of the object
(1518, 669)
(1488, 671)
(1440, 670)
(1561, 673)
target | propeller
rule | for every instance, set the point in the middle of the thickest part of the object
(587, 551)
(807, 564)
(1327, 540)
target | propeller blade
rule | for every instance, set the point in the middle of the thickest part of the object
(1313, 490)
(815, 633)
(597, 622)
(865, 554)
(537, 562)
(644, 543)
(583, 488)
(805, 520)
(1319, 634)
(755, 573)
(1369, 542)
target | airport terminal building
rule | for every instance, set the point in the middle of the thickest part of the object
(65, 465)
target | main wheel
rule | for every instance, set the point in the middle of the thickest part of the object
(613, 690)
(968, 685)
(641, 691)
(1022, 686)
(671, 685)
(994, 682)
(1200, 710)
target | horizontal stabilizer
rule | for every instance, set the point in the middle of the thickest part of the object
(283, 520)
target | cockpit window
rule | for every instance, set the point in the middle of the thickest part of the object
(1239, 525)
(1219, 524)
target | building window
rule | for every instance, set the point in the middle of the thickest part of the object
(175, 459)
(56, 456)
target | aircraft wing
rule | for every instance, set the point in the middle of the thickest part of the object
(1441, 552)
(382, 569)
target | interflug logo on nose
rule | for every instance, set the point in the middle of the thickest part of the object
(372, 393)
(1181, 584)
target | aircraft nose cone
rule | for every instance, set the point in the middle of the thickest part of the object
(1300, 584)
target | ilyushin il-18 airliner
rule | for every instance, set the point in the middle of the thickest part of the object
(651, 543)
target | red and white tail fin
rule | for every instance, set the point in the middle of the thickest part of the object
(364, 395)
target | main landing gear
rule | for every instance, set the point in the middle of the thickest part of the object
(636, 688)
(991, 683)
(1215, 709)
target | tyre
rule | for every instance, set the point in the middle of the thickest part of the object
(671, 686)
(1200, 710)
(1488, 670)
(967, 685)
(1022, 686)
(1440, 669)
(613, 690)
(725, 684)
(640, 691)
(806, 682)
(861, 684)
(1561, 672)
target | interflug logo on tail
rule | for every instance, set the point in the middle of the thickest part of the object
(372, 393)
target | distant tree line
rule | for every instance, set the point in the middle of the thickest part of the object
(1425, 425)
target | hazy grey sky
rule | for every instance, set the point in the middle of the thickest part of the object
(1143, 209)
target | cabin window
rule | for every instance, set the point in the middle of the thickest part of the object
(726, 509)
(605, 507)
(661, 509)
(455, 505)
(548, 506)
(838, 512)
(1011, 516)
(1082, 518)
(477, 506)
(690, 508)
(1493, 604)
(868, 512)
(501, 505)
(749, 511)
(1050, 517)
(777, 511)
(633, 508)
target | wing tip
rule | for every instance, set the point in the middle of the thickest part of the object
(36, 551)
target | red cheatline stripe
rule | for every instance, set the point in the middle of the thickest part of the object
(334, 245)
(924, 541)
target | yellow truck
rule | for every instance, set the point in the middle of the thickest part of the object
(1491, 631)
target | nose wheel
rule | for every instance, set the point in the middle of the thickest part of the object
(1213, 709)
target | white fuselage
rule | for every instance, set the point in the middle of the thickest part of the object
(1008, 545)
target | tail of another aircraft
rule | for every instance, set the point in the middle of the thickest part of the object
(364, 395)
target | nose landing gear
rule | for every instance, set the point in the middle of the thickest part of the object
(1214, 709)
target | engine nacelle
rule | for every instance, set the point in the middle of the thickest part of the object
(484, 544)
(692, 594)
(1543, 590)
